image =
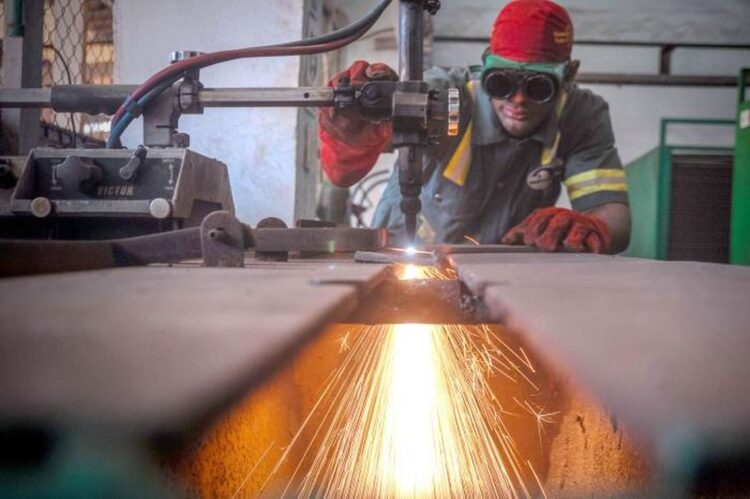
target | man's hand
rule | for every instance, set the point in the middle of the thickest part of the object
(550, 229)
(350, 145)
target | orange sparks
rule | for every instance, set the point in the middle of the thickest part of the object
(410, 413)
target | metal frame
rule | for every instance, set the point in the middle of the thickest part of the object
(663, 78)
(22, 68)
(665, 171)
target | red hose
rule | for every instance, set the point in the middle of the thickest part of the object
(212, 58)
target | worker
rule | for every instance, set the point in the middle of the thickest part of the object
(526, 129)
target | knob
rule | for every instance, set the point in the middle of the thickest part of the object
(7, 178)
(160, 208)
(79, 174)
(41, 207)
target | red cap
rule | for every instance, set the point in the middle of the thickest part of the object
(532, 31)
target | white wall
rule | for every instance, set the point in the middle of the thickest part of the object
(258, 145)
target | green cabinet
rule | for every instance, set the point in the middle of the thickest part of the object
(740, 226)
(680, 199)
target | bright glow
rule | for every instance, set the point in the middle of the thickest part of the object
(410, 271)
(407, 443)
(411, 250)
(409, 413)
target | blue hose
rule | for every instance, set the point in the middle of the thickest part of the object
(127, 118)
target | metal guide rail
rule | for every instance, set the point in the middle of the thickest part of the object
(221, 241)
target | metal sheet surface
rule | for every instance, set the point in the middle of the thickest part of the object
(664, 345)
(159, 349)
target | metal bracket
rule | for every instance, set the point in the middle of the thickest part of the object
(262, 254)
(223, 240)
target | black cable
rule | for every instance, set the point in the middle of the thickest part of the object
(60, 56)
(355, 29)
(376, 33)
(365, 196)
(367, 20)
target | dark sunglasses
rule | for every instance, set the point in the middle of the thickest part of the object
(504, 83)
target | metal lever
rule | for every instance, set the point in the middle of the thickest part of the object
(136, 161)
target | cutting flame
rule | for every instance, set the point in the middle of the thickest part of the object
(406, 447)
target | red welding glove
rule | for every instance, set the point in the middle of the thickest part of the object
(349, 144)
(552, 228)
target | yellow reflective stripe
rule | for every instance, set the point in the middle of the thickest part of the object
(561, 103)
(458, 167)
(576, 193)
(596, 180)
(596, 174)
(549, 152)
(459, 164)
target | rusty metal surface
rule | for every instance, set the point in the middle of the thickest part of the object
(663, 345)
(159, 349)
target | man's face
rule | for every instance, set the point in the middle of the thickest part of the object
(521, 116)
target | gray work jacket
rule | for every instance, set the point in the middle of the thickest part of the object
(478, 184)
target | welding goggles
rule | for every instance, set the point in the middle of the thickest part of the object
(540, 82)
(504, 83)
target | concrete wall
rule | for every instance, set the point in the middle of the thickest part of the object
(258, 145)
